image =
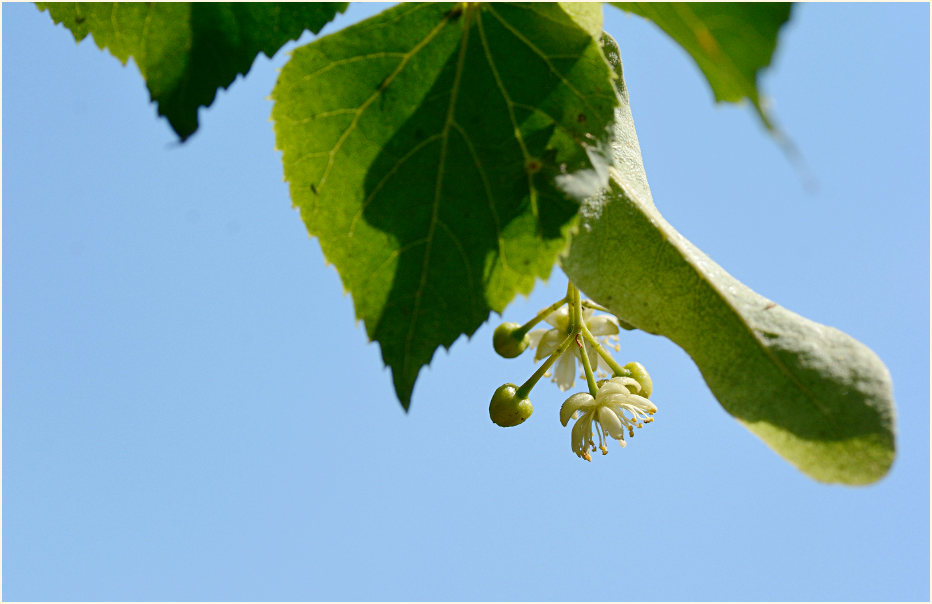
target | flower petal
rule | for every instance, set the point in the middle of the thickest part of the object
(611, 387)
(642, 403)
(611, 423)
(549, 342)
(533, 337)
(631, 384)
(581, 435)
(559, 318)
(573, 404)
(603, 325)
(619, 399)
(564, 374)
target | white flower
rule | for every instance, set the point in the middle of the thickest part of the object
(603, 327)
(616, 398)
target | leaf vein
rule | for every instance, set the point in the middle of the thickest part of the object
(340, 62)
(465, 258)
(532, 192)
(362, 108)
(544, 58)
(395, 254)
(454, 91)
(488, 194)
(388, 175)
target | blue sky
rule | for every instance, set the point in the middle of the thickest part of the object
(190, 411)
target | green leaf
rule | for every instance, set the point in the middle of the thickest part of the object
(439, 155)
(588, 15)
(186, 51)
(818, 397)
(730, 41)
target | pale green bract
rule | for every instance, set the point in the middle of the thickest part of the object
(818, 397)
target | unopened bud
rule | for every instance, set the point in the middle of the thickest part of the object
(506, 409)
(641, 376)
(508, 341)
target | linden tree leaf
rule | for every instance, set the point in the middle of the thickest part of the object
(186, 51)
(817, 396)
(439, 153)
(730, 41)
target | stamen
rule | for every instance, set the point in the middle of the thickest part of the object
(598, 431)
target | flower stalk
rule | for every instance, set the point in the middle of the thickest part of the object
(526, 387)
(617, 370)
(540, 316)
(580, 325)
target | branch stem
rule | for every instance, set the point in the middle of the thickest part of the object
(578, 327)
(617, 369)
(527, 386)
(540, 316)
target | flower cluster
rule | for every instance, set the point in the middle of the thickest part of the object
(610, 407)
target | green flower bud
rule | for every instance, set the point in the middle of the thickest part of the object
(641, 376)
(507, 342)
(506, 409)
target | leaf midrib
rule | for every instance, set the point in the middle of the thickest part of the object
(438, 186)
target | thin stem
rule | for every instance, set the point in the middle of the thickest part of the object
(617, 369)
(594, 306)
(590, 378)
(572, 297)
(543, 314)
(526, 387)
(580, 327)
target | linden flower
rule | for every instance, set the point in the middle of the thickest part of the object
(603, 327)
(614, 408)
